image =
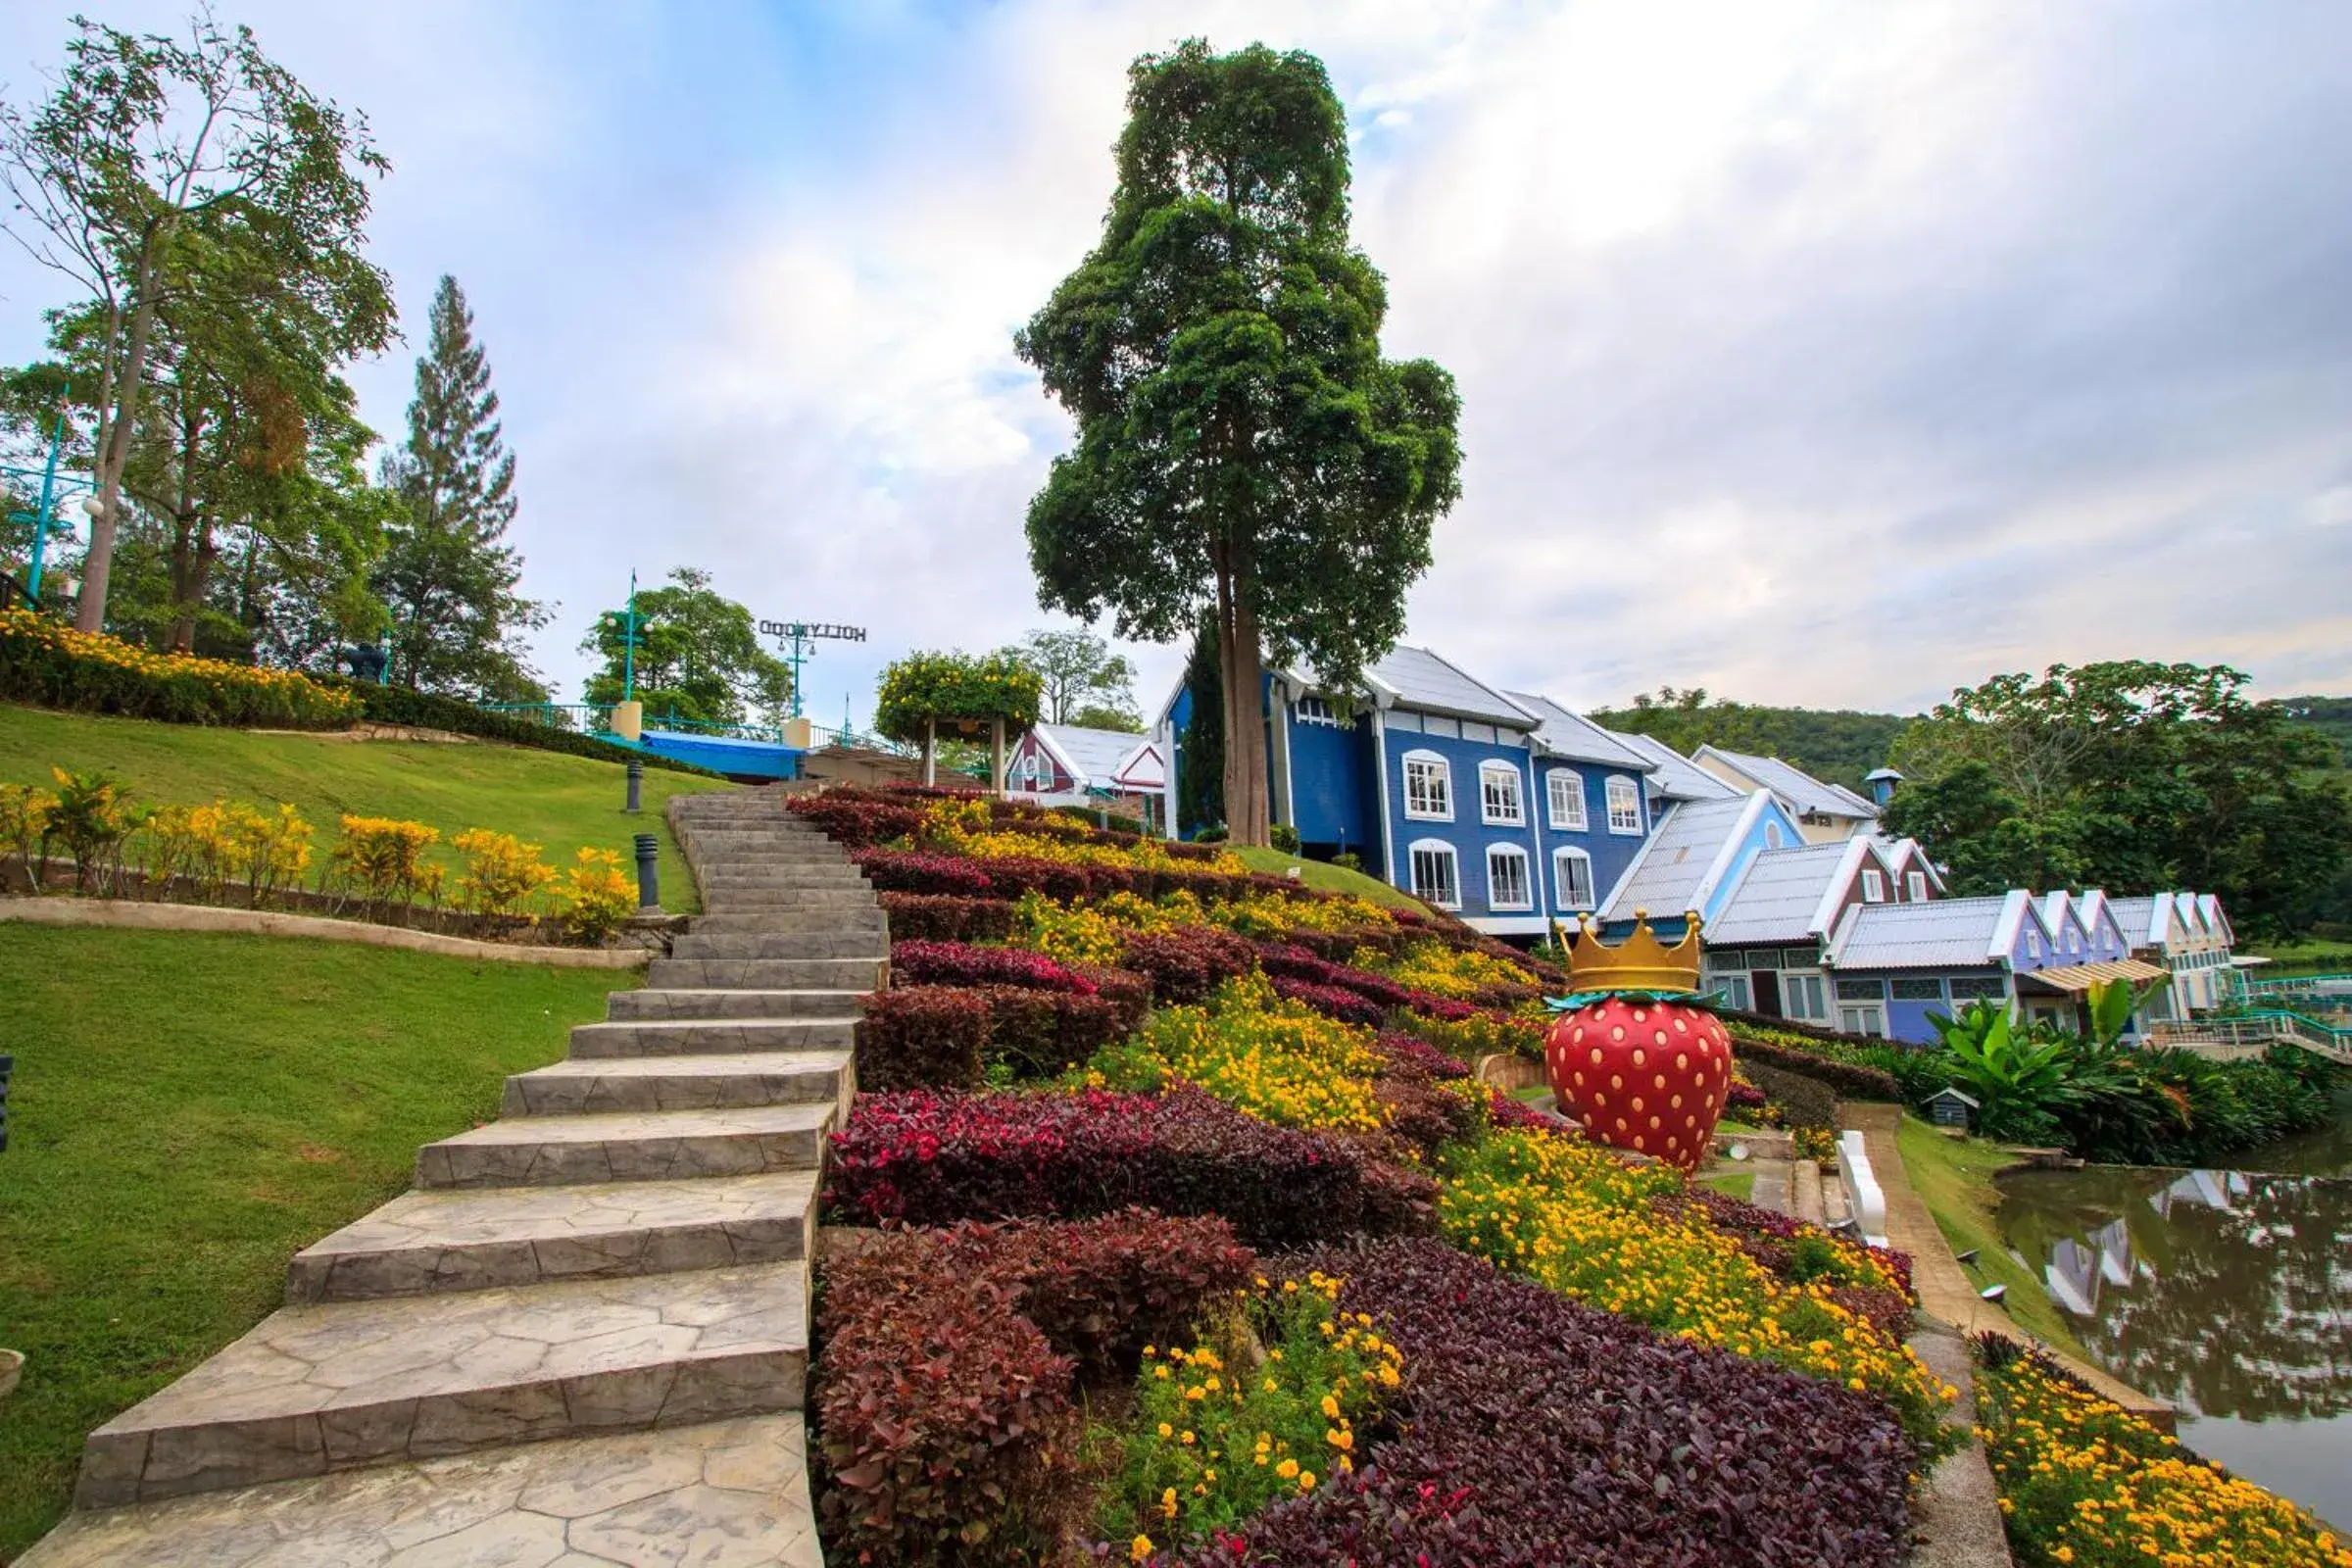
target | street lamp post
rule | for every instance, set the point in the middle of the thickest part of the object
(45, 514)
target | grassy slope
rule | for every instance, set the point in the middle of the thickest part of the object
(188, 1111)
(2313, 955)
(1330, 878)
(559, 803)
(1954, 1178)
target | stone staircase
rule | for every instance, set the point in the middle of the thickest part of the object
(583, 1337)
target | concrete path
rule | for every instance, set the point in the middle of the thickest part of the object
(583, 1338)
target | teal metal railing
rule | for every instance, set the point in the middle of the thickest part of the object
(587, 719)
(773, 734)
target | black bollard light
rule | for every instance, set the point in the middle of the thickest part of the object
(649, 872)
(636, 787)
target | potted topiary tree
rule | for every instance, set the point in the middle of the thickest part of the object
(963, 694)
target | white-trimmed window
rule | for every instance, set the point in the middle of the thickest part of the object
(1564, 797)
(1773, 838)
(1874, 887)
(1507, 885)
(1498, 796)
(1435, 874)
(1428, 787)
(1317, 710)
(1919, 886)
(1625, 804)
(1572, 878)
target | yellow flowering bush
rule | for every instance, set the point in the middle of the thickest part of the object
(268, 850)
(500, 873)
(965, 827)
(2084, 1483)
(1271, 914)
(1279, 1061)
(596, 895)
(24, 813)
(49, 664)
(1571, 1216)
(1269, 1407)
(382, 860)
(950, 687)
(1460, 974)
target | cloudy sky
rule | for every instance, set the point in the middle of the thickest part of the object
(1832, 354)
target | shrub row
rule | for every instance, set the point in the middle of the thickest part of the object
(1064, 881)
(49, 665)
(396, 704)
(1847, 1079)
(945, 917)
(925, 1158)
(1804, 1099)
(1536, 1431)
(947, 1363)
(917, 962)
(948, 1037)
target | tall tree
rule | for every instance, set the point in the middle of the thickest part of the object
(160, 171)
(1246, 461)
(698, 655)
(1080, 675)
(448, 577)
(1200, 781)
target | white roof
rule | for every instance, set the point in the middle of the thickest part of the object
(1963, 933)
(1781, 897)
(2216, 921)
(1142, 769)
(1417, 678)
(1577, 738)
(2146, 921)
(1680, 864)
(1092, 756)
(1672, 774)
(1804, 794)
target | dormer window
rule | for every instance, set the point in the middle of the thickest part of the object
(1499, 799)
(1919, 886)
(1317, 710)
(1625, 804)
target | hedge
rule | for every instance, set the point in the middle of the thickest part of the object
(1849, 1080)
(396, 704)
(49, 665)
(1803, 1099)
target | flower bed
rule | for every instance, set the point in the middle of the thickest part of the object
(951, 1036)
(947, 917)
(957, 964)
(1535, 1431)
(2084, 1483)
(1278, 1060)
(50, 665)
(925, 1158)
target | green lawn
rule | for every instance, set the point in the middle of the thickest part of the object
(2313, 955)
(1953, 1177)
(1739, 1184)
(189, 1110)
(559, 803)
(1330, 878)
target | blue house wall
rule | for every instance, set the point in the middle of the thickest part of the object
(1333, 796)
(1466, 831)
(1610, 853)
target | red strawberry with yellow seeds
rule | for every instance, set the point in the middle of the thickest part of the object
(1636, 1056)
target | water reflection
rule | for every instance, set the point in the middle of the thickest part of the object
(2226, 1292)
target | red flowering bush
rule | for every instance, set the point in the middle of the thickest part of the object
(1186, 964)
(1411, 1055)
(1536, 1431)
(921, 871)
(933, 1158)
(1125, 990)
(1038, 1034)
(955, 963)
(1331, 1001)
(856, 819)
(1064, 882)
(922, 1036)
(1744, 1097)
(1849, 1080)
(947, 917)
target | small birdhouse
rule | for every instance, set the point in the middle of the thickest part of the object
(1949, 1107)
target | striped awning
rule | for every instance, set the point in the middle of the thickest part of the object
(2083, 976)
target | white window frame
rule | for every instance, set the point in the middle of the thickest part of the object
(1862, 1019)
(1527, 881)
(1774, 837)
(1454, 870)
(1317, 710)
(1506, 774)
(1443, 811)
(1559, 882)
(1555, 796)
(1918, 881)
(1874, 886)
(1619, 789)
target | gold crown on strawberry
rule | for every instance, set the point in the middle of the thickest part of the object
(1640, 963)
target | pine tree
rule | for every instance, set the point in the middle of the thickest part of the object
(448, 577)
(1200, 781)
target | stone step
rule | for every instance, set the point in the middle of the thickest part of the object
(629, 1146)
(786, 830)
(733, 1490)
(646, 1006)
(722, 1036)
(764, 974)
(820, 879)
(590, 1087)
(736, 899)
(782, 945)
(867, 917)
(340, 1384)
(425, 1243)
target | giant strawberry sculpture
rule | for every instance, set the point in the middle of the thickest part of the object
(1635, 1054)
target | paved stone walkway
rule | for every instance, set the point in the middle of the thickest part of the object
(583, 1338)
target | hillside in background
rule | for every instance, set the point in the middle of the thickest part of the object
(1834, 744)
(2332, 716)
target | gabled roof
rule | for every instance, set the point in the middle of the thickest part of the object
(1945, 933)
(1089, 756)
(1680, 864)
(1804, 794)
(1417, 678)
(1573, 736)
(2148, 922)
(2216, 921)
(1672, 774)
(1784, 894)
(1896, 851)
(1142, 769)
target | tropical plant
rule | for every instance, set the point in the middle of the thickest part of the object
(500, 873)
(92, 816)
(24, 813)
(595, 896)
(383, 861)
(2019, 1081)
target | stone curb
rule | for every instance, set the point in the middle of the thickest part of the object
(126, 915)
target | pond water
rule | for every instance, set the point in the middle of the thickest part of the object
(2229, 1293)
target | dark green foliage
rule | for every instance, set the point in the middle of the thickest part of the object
(396, 704)
(1081, 680)
(698, 657)
(1807, 1101)
(1201, 782)
(1839, 745)
(448, 577)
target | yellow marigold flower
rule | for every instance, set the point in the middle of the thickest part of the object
(1139, 1549)
(1287, 1469)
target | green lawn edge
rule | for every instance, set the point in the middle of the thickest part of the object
(1329, 878)
(1953, 1177)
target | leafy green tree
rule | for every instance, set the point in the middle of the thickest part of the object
(1840, 745)
(1244, 459)
(196, 177)
(448, 577)
(1080, 675)
(2131, 776)
(1201, 782)
(1103, 715)
(698, 657)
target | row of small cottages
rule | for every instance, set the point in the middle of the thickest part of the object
(1512, 811)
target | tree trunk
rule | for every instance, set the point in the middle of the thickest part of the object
(91, 616)
(1245, 792)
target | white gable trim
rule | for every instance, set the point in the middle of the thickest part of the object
(1062, 759)
(1833, 897)
(1633, 866)
(1124, 775)
(1728, 856)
